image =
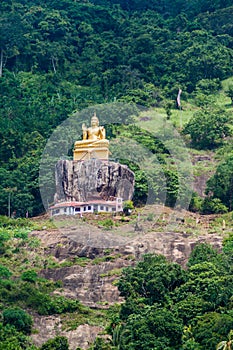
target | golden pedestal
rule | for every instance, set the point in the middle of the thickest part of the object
(86, 149)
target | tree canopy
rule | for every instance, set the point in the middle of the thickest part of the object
(167, 307)
(60, 57)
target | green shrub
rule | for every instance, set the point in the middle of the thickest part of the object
(58, 343)
(128, 207)
(21, 234)
(4, 272)
(11, 339)
(19, 222)
(213, 206)
(48, 305)
(211, 328)
(208, 86)
(18, 318)
(228, 244)
(29, 276)
(107, 223)
(4, 237)
(195, 204)
(202, 252)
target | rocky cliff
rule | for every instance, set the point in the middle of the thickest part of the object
(82, 181)
(204, 168)
(89, 272)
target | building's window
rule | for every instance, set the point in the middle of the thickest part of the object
(113, 209)
(77, 209)
(89, 207)
(84, 208)
(101, 207)
(106, 208)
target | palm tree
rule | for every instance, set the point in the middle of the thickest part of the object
(226, 344)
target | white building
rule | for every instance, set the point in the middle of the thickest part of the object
(95, 206)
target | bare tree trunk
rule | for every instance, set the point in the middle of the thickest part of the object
(1, 62)
(54, 66)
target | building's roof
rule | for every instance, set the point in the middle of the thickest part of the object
(79, 204)
(67, 204)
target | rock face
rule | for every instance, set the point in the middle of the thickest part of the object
(83, 181)
(93, 280)
(51, 327)
(201, 177)
(93, 283)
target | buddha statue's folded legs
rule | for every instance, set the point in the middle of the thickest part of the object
(94, 143)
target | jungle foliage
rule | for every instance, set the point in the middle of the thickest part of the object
(57, 57)
(167, 307)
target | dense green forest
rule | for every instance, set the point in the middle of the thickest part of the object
(57, 57)
(168, 308)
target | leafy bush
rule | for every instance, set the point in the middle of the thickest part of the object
(4, 237)
(208, 86)
(202, 252)
(12, 339)
(195, 204)
(229, 92)
(107, 223)
(48, 305)
(128, 207)
(58, 343)
(4, 272)
(211, 328)
(153, 277)
(22, 234)
(208, 128)
(228, 245)
(220, 184)
(213, 206)
(18, 318)
(19, 222)
(29, 276)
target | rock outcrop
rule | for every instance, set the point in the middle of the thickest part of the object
(89, 272)
(93, 283)
(206, 164)
(83, 181)
(51, 326)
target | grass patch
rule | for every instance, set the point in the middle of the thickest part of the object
(101, 259)
(84, 316)
(10, 223)
(113, 272)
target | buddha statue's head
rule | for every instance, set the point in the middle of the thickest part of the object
(94, 120)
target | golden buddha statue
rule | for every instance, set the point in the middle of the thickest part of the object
(94, 132)
(94, 143)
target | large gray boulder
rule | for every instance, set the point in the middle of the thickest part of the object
(92, 179)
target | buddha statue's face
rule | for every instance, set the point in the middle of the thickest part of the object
(94, 122)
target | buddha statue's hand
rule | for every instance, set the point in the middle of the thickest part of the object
(84, 127)
(102, 132)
